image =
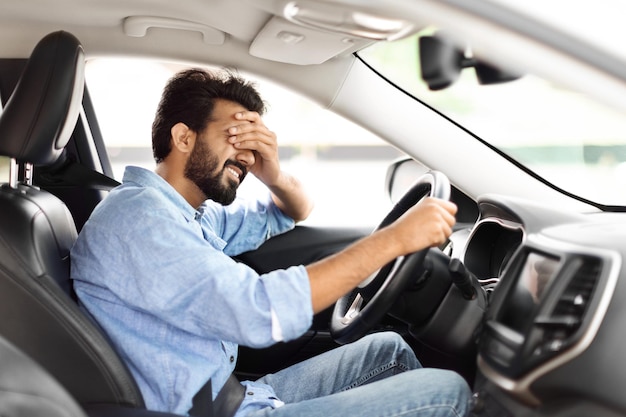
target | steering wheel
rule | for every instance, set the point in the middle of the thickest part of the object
(357, 312)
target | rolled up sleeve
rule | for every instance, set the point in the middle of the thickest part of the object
(290, 306)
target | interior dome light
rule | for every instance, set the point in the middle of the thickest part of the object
(350, 22)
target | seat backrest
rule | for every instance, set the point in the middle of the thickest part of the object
(26, 389)
(37, 312)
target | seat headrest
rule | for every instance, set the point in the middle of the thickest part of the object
(40, 116)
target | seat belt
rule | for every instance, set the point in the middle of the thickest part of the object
(226, 403)
(76, 174)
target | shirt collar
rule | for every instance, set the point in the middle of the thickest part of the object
(147, 178)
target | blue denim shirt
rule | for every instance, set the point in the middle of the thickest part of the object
(157, 275)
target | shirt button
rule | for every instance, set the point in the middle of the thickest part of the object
(250, 393)
(232, 359)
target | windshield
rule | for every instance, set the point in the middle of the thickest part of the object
(576, 144)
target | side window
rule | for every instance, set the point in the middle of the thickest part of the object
(342, 165)
(4, 164)
(4, 169)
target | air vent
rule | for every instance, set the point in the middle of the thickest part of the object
(560, 327)
(576, 297)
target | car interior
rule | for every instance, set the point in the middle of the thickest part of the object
(523, 300)
(36, 124)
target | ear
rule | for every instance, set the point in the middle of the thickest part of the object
(183, 138)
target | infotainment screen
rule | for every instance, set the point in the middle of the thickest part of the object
(533, 278)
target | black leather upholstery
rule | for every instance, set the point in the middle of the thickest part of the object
(40, 115)
(37, 312)
(26, 389)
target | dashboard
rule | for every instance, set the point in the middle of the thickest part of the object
(552, 336)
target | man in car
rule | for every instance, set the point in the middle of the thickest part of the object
(153, 266)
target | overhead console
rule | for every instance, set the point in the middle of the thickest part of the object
(334, 27)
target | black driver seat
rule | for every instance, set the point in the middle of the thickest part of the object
(26, 389)
(37, 312)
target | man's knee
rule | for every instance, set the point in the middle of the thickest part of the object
(391, 345)
(439, 388)
(456, 384)
(386, 339)
(457, 388)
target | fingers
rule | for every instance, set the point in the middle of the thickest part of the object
(438, 208)
(251, 137)
(448, 212)
(442, 216)
(429, 223)
(250, 116)
(252, 133)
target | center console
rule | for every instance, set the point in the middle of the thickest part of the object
(545, 312)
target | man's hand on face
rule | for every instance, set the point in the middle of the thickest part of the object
(253, 135)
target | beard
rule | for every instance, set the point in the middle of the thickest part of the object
(218, 187)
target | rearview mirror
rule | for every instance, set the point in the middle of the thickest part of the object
(441, 63)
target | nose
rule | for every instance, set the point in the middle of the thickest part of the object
(246, 158)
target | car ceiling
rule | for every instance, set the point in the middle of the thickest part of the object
(244, 34)
(252, 34)
(236, 33)
(211, 24)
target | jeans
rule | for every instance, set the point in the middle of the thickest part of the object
(377, 375)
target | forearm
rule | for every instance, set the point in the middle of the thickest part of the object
(291, 197)
(335, 276)
(424, 225)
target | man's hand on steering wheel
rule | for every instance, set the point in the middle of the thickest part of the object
(432, 218)
(390, 257)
